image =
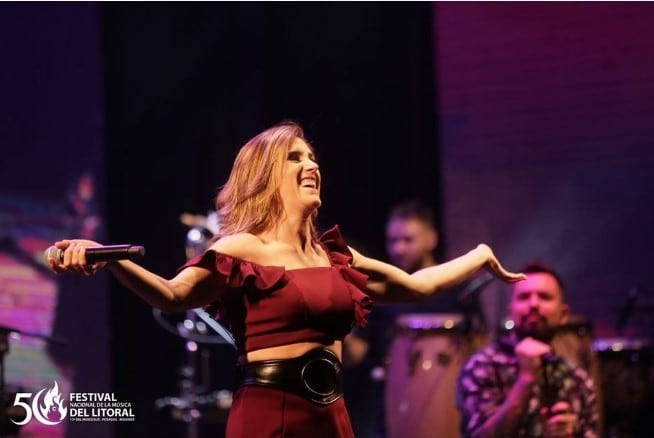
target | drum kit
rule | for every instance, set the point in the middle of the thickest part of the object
(428, 351)
(196, 403)
(425, 357)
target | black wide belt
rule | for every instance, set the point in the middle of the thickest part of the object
(316, 375)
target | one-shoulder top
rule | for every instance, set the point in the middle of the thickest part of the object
(268, 306)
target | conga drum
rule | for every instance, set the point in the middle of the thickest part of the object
(626, 382)
(425, 358)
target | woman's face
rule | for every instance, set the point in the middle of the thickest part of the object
(300, 187)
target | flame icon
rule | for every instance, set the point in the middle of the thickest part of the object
(52, 406)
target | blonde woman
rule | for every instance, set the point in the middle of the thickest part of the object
(288, 295)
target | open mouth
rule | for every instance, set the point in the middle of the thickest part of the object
(309, 182)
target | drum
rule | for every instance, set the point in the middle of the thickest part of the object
(424, 361)
(625, 379)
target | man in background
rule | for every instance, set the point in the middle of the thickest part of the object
(411, 240)
(519, 387)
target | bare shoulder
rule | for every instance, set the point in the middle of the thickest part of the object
(243, 245)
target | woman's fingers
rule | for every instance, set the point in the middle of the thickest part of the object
(72, 257)
(498, 270)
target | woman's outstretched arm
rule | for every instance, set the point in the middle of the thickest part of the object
(390, 284)
(190, 288)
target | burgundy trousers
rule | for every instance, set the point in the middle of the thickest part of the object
(259, 412)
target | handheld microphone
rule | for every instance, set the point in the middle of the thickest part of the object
(550, 385)
(100, 253)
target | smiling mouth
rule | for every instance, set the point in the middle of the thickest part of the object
(310, 183)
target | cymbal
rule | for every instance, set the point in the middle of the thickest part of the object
(218, 334)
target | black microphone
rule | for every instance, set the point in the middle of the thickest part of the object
(550, 386)
(101, 253)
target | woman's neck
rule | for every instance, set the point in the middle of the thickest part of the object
(296, 233)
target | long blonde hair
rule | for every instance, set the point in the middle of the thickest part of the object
(250, 200)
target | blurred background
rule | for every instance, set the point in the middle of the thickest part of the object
(527, 126)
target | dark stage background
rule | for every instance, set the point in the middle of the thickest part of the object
(525, 126)
(51, 187)
(186, 85)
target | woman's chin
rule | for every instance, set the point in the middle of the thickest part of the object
(314, 201)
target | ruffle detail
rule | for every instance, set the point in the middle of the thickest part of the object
(341, 258)
(238, 272)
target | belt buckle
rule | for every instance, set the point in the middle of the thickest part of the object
(317, 371)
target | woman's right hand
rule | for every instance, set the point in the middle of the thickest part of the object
(494, 266)
(74, 257)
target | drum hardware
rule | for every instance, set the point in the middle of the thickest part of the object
(194, 404)
(194, 327)
(625, 379)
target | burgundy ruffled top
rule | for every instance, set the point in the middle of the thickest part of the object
(267, 306)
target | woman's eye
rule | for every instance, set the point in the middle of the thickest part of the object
(294, 156)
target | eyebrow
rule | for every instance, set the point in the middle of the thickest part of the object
(310, 153)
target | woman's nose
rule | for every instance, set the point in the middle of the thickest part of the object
(311, 165)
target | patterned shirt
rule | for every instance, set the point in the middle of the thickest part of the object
(488, 375)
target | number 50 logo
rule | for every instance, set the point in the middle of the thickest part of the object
(43, 410)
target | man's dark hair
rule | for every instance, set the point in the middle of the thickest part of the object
(541, 268)
(414, 209)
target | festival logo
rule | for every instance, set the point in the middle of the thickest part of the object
(47, 406)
